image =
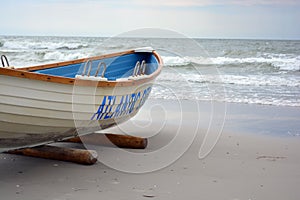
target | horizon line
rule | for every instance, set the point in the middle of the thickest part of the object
(155, 37)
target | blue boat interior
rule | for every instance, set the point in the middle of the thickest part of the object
(117, 67)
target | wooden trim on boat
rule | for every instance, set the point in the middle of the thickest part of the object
(27, 73)
(81, 60)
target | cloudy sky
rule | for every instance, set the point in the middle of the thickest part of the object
(271, 19)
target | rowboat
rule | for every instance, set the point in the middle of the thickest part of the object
(53, 102)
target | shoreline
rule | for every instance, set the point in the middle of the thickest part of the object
(238, 116)
(245, 163)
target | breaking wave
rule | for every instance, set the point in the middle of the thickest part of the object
(42, 45)
(261, 72)
(278, 61)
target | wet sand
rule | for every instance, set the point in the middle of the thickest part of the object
(256, 156)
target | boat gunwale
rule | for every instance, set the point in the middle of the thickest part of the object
(27, 72)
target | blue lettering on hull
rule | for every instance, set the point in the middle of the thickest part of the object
(110, 108)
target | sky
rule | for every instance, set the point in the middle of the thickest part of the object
(258, 19)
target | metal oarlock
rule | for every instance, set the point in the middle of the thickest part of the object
(4, 61)
(89, 65)
(99, 67)
(139, 68)
(85, 66)
(136, 68)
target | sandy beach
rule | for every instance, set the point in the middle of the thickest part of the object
(214, 86)
(255, 156)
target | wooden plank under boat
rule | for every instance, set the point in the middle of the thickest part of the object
(52, 102)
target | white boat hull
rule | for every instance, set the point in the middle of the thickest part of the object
(34, 112)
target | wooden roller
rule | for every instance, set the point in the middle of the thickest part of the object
(122, 141)
(81, 156)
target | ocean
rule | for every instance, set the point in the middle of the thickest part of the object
(263, 72)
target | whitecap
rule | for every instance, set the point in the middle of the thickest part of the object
(175, 61)
(59, 56)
